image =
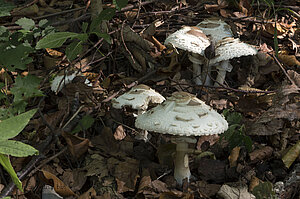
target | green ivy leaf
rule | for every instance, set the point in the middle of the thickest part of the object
(25, 23)
(12, 126)
(16, 148)
(5, 8)
(5, 162)
(74, 49)
(55, 40)
(15, 57)
(85, 123)
(26, 87)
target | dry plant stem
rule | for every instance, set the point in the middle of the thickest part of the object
(205, 76)
(181, 170)
(283, 70)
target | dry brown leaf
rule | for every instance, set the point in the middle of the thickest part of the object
(261, 154)
(126, 173)
(76, 145)
(294, 76)
(119, 133)
(59, 186)
(245, 7)
(207, 190)
(107, 142)
(289, 60)
(89, 194)
(254, 182)
(233, 157)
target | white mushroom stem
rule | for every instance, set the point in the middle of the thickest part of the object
(206, 74)
(224, 67)
(197, 62)
(181, 170)
(144, 135)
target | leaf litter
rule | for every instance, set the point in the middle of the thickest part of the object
(105, 160)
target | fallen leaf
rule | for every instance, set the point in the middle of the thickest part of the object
(89, 194)
(76, 145)
(292, 154)
(233, 157)
(261, 154)
(289, 60)
(59, 186)
(119, 133)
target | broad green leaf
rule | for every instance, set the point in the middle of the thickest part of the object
(74, 49)
(5, 8)
(3, 29)
(105, 36)
(120, 3)
(292, 154)
(12, 126)
(25, 23)
(43, 23)
(106, 14)
(15, 57)
(16, 148)
(85, 123)
(5, 162)
(55, 40)
(264, 190)
(26, 87)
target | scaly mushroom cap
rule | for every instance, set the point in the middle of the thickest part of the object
(182, 114)
(188, 38)
(216, 28)
(138, 98)
(229, 48)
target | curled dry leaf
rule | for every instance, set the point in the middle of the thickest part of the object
(289, 60)
(59, 186)
(76, 145)
(233, 157)
(119, 133)
(261, 154)
(228, 192)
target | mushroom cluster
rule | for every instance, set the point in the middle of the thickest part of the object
(226, 49)
(212, 31)
(138, 97)
(182, 115)
(193, 40)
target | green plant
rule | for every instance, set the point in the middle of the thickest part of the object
(10, 128)
(235, 134)
(15, 54)
(56, 40)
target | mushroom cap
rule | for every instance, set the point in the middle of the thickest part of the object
(138, 98)
(216, 28)
(189, 38)
(229, 48)
(182, 114)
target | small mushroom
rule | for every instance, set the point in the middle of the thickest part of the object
(182, 115)
(226, 49)
(216, 29)
(191, 39)
(138, 98)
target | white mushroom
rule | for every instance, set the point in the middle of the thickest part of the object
(191, 39)
(226, 49)
(216, 29)
(182, 115)
(138, 98)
